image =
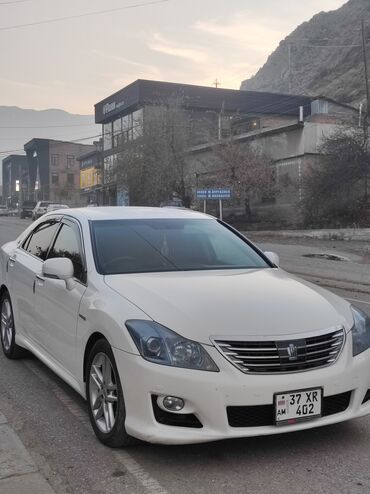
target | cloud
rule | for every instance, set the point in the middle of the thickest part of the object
(256, 34)
(117, 58)
(162, 45)
(22, 84)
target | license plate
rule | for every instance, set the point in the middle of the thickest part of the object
(297, 406)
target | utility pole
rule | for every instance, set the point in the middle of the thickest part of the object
(366, 129)
(290, 67)
(216, 83)
(366, 116)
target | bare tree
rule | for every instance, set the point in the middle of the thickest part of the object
(152, 167)
(248, 172)
(336, 192)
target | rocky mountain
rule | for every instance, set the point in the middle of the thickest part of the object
(18, 126)
(321, 57)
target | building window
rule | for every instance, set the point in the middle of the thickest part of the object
(70, 179)
(107, 136)
(243, 125)
(55, 160)
(70, 161)
(137, 124)
(127, 128)
(109, 170)
(54, 179)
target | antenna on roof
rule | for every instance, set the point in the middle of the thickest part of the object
(217, 83)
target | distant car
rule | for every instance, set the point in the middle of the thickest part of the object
(27, 209)
(40, 209)
(4, 211)
(54, 207)
(13, 212)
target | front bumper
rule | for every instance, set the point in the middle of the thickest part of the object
(208, 394)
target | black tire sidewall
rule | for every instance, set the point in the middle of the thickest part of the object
(8, 353)
(118, 436)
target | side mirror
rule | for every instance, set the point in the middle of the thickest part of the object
(59, 268)
(273, 257)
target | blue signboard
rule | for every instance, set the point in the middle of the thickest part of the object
(224, 193)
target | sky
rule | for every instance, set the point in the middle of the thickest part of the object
(75, 63)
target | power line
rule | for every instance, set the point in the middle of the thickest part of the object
(326, 46)
(10, 151)
(78, 16)
(45, 126)
(14, 1)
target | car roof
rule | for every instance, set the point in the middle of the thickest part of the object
(132, 212)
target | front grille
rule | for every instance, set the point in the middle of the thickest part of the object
(263, 415)
(366, 397)
(272, 357)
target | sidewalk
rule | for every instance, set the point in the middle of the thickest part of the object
(18, 472)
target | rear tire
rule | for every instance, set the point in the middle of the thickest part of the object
(7, 330)
(105, 401)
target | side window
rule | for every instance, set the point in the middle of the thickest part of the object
(39, 241)
(67, 244)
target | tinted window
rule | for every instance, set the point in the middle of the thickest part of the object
(39, 241)
(67, 244)
(134, 246)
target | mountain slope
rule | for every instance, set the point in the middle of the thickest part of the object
(316, 69)
(18, 125)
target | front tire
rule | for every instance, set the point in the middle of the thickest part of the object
(7, 330)
(105, 401)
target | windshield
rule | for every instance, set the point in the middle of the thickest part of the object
(157, 245)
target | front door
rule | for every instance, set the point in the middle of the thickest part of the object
(57, 308)
(23, 265)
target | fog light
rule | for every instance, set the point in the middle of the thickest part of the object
(173, 404)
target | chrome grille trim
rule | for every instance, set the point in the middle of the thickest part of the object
(271, 357)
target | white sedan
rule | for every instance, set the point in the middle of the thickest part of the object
(176, 329)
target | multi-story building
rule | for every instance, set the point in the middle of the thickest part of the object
(15, 180)
(91, 176)
(211, 113)
(54, 172)
(287, 129)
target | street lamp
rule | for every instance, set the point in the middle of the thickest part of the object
(37, 184)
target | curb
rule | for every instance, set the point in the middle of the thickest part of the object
(18, 472)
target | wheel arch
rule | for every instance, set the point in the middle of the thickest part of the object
(93, 338)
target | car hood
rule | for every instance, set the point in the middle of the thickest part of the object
(258, 303)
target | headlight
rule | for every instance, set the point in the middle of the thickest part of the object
(360, 331)
(163, 346)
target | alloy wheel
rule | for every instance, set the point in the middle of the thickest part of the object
(103, 392)
(6, 324)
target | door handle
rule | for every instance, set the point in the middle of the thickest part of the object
(11, 261)
(40, 280)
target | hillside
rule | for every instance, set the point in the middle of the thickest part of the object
(17, 126)
(315, 68)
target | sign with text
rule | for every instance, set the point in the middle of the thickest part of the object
(224, 193)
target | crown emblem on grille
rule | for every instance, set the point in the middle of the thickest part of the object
(292, 351)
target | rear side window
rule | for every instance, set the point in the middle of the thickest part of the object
(39, 241)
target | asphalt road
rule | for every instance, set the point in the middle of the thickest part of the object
(52, 422)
